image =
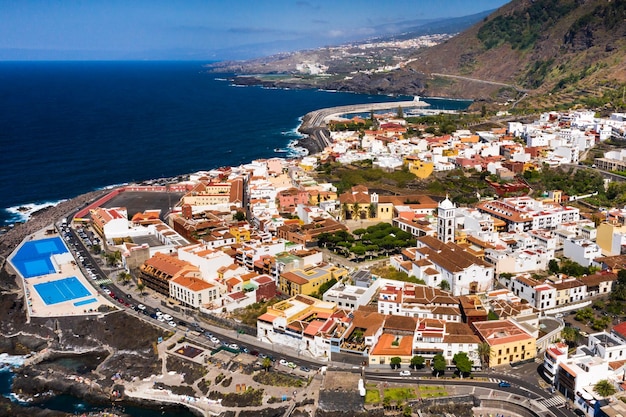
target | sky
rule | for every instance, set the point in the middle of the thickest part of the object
(204, 29)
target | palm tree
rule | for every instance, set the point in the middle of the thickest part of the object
(140, 287)
(484, 352)
(124, 277)
(373, 211)
(604, 388)
(267, 364)
(355, 211)
(346, 211)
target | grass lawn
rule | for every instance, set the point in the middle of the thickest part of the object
(429, 391)
(399, 393)
(372, 395)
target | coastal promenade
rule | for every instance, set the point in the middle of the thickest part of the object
(314, 123)
(318, 118)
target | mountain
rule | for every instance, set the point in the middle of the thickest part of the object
(536, 53)
(555, 51)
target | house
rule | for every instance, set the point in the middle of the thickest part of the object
(159, 270)
(539, 294)
(419, 301)
(192, 291)
(289, 199)
(508, 342)
(301, 323)
(110, 223)
(308, 280)
(601, 282)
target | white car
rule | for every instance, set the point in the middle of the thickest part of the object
(215, 340)
(283, 362)
(234, 346)
(141, 307)
(405, 373)
(167, 317)
(161, 319)
(171, 323)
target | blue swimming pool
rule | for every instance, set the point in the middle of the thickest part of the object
(65, 289)
(33, 258)
(84, 302)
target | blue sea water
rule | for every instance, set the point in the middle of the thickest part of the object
(67, 128)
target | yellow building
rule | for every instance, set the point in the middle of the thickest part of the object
(609, 238)
(507, 341)
(241, 234)
(308, 281)
(384, 211)
(419, 168)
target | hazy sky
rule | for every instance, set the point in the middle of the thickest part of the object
(137, 29)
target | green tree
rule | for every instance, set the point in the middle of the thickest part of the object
(463, 363)
(141, 287)
(241, 216)
(604, 388)
(553, 266)
(484, 352)
(267, 363)
(373, 211)
(407, 411)
(584, 315)
(569, 334)
(356, 208)
(395, 362)
(400, 113)
(124, 277)
(417, 362)
(444, 285)
(439, 364)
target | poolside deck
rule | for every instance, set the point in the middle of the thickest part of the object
(67, 269)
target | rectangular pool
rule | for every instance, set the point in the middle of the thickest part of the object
(61, 290)
(33, 258)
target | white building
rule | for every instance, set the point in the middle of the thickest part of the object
(193, 291)
(581, 251)
(208, 260)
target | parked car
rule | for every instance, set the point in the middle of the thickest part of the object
(171, 323)
(304, 369)
(405, 373)
(215, 340)
(140, 306)
(504, 384)
(283, 362)
(167, 317)
(234, 346)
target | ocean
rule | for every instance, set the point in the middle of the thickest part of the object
(67, 128)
